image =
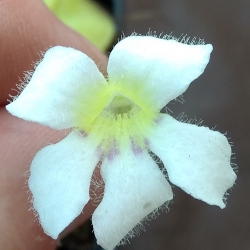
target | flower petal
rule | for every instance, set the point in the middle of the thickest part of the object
(59, 180)
(134, 187)
(163, 68)
(50, 96)
(197, 159)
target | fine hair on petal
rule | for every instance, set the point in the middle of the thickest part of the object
(30, 197)
(27, 75)
(97, 188)
(183, 38)
(140, 227)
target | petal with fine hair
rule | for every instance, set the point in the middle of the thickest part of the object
(197, 159)
(134, 187)
(50, 96)
(162, 69)
(59, 181)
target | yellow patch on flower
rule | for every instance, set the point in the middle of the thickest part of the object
(115, 114)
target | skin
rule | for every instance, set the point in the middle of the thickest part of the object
(27, 28)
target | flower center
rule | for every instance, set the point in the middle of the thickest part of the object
(121, 106)
(113, 115)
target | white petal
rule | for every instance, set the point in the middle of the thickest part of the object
(134, 187)
(197, 159)
(50, 96)
(163, 68)
(59, 180)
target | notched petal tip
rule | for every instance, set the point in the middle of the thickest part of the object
(165, 68)
(59, 180)
(197, 159)
(134, 187)
(50, 96)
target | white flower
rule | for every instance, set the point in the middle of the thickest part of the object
(118, 121)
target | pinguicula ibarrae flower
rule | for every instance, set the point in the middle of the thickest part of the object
(118, 122)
